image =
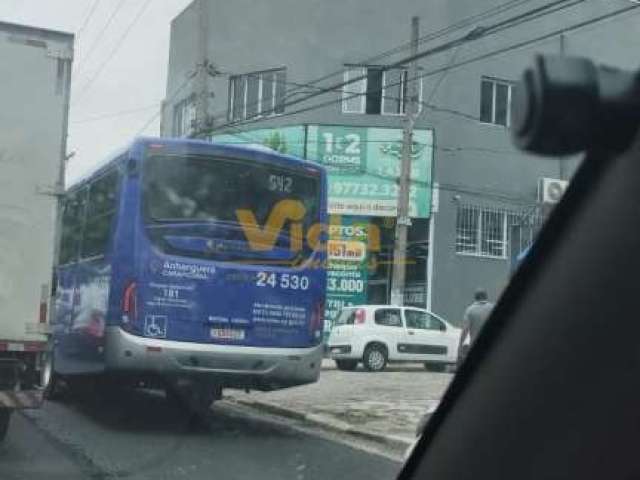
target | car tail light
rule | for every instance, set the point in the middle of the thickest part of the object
(129, 304)
(360, 316)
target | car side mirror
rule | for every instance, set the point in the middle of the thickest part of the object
(443, 327)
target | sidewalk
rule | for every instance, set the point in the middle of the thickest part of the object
(382, 406)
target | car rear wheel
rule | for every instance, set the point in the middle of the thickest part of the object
(347, 365)
(375, 358)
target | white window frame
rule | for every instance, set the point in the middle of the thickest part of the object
(362, 110)
(347, 94)
(478, 212)
(403, 85)
(185, 107)
(244, 78)
(494, 83)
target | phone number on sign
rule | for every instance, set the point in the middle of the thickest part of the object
(368, 189)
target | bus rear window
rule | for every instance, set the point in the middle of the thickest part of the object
(212, 189)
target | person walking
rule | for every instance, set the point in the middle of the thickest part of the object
(474, 319)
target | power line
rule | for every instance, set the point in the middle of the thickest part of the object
(91, 11)
(423, 104)
(115, 49)
(177, 91)
(455, 65)
(100, 34)
(431, 36)
(476, 34)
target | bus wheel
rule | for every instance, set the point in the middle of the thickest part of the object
(196, 398)
(5, 416)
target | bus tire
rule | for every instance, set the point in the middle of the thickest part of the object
(197, 398)
(347, 365)
(375, 357)
(5, 417)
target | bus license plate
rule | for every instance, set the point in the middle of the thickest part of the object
(227, 333)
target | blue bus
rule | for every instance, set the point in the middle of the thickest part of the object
(193, 266)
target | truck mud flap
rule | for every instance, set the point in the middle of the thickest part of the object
(21, 399)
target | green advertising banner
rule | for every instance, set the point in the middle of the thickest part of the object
(289, 140)
(364, 165)
(347, 270)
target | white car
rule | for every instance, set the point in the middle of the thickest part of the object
(377, 334)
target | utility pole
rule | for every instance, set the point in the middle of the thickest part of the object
(404, 220)
(202, 95)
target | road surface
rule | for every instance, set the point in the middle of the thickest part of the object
(139, 435)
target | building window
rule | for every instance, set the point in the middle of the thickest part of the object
(184, 117)
(377, 91)
(495, 101)
(257, 94)
(482, 231)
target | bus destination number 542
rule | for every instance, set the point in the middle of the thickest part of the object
(284, 280)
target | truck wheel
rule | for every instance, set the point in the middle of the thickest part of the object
(374, 358)
(347, 365)
(5, 416)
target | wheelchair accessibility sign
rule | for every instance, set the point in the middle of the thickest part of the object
(155, 326)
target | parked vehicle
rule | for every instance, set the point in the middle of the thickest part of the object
(378, 334)
(176, 272)
(35, 71)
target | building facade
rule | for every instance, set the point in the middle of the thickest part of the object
(271, 73)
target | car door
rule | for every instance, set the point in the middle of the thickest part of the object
(388, 328)
(450, 335)
(425, 337)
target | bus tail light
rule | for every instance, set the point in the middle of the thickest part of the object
(129, 304)
(317, 319)
(360, 316)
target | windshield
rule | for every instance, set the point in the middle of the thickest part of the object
(248, 238)
(209, 189)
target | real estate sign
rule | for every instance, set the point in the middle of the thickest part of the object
(364, 167)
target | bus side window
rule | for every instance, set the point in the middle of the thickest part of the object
(101, 210)
(72, 221)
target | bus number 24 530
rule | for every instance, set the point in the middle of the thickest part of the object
(283, 280)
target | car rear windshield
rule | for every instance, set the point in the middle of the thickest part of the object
(213, 189)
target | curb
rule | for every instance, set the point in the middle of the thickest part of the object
(325, 422)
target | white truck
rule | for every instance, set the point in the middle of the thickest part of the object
(35, 73)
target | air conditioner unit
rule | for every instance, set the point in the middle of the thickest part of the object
(550, 190)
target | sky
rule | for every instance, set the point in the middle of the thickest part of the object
(114, 72)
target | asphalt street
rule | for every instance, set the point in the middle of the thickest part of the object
(139, 435)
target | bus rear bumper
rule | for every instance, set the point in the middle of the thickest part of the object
(261, 368)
